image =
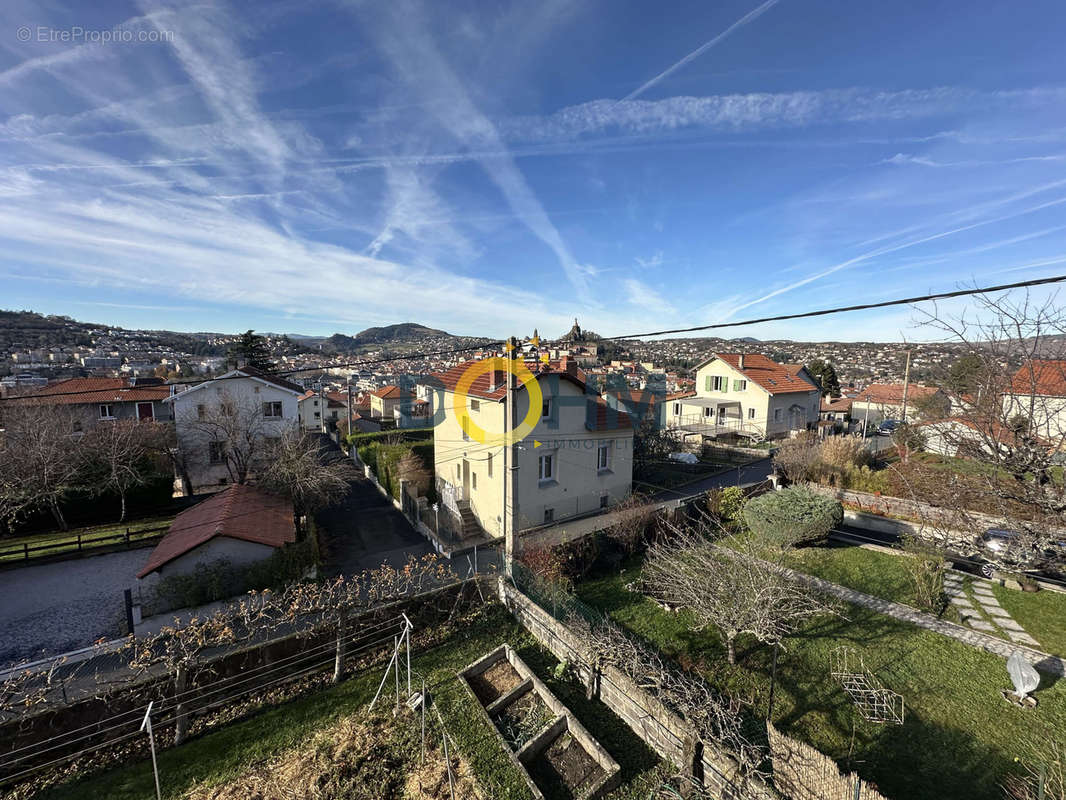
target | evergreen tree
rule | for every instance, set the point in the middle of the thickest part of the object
(826, 375)
(251, 348)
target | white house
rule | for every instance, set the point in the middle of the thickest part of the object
(576, 460)
(1037, 392)
(222, 424)
(746, 395)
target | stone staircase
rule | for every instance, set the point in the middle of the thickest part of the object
(470, 525)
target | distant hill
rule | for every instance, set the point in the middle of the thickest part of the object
(404, 331)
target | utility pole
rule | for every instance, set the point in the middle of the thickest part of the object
(348, 425)
(866, 421)
(906, 385)
(510, 515)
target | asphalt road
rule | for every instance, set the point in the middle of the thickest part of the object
(364, 531)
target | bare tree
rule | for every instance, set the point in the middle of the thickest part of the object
(298, 466)
(233, 432)
(739, 589)
(39, 460)
(633, 517)
(1009, 417)
(411, 469)
(1043, 769)
(120, 454)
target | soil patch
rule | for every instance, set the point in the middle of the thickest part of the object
(494, 682)
(565, 769)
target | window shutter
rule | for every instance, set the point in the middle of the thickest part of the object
(725, 385)
(736, 385)
(707, 382)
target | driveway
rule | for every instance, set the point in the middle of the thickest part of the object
(54, 608)
(364, 531)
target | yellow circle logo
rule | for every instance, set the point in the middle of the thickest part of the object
(508, 366)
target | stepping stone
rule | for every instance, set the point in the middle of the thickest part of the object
(982, 592)
(999, 613)
(962, 602)
(981, 625)
(1010, 625)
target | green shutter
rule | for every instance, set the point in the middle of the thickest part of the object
(725, 385)
(707, 383)
(736, 385)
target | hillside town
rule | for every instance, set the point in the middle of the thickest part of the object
(532, 401)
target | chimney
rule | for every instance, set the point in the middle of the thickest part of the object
(740, 363)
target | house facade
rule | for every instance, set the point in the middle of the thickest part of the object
(576, 461)
(746, 395)
(1037, 393)
(223, 424)
(91, 401)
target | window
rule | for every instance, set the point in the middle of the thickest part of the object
(273, 410)
(77, 426)
(473, 480)
(739, 385)
(549, 515)
(201, 411)
(458, 471)
(318, 414)
(546, 468)
(677, 409)
(475, 405)
(490, 464)
(216, 452)
(718, 383)
(707, 411)
(464, 423)
(604, 500)
(777, 415)
(751, 413)
(107, 411)
(603, 457)
(546, 409)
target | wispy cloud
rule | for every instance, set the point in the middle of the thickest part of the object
(703, 48)
(643, 296)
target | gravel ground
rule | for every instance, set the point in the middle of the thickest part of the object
(54, 608)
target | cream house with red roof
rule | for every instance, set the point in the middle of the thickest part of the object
(885, 401)
(746, 395)
(577, 460)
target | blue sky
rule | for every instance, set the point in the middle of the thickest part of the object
(491, 167)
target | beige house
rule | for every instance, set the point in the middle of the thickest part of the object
(577, 460)
(746, 395)
(1038, 393)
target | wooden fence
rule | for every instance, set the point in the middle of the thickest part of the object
(79, 545)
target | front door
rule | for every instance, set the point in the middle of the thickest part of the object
(466, 479)
(145, 412)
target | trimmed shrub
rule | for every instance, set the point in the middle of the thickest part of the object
(792, 517)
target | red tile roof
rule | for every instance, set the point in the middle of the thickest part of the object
(480, 385)
(239, 512)
(1046, 378)
(606, 418)
(836, 404)
(771, 376)
(391, 393)
(892, 393)
(75, 391)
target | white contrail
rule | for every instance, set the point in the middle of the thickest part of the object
(703, 48)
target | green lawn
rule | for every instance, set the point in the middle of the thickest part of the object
(217, 757)
(11, 549)
(1042, 614)
(959, 738)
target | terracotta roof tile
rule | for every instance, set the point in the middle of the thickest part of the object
(76, 391)
(1045, 378)
(771, 376)
(239, 512)
(892, 393)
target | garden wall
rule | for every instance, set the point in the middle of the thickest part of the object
(910, 510)
(800, 771)
(664, 731)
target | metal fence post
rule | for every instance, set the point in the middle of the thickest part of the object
(147, 724)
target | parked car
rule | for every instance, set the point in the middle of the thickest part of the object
(888, 427)
(1001, 548)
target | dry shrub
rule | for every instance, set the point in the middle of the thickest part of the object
(410, 468)
(844, 452)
